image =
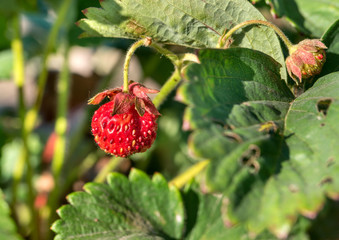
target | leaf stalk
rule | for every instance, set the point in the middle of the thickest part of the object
(181, 180)
(277, 30)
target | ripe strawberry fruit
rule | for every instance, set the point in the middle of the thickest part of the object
(127, 123)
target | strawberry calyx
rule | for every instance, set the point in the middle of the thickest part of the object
(123, 101)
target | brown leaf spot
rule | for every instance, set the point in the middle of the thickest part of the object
(135, 28)
(233, 136)
(326, 180)
(249, 158)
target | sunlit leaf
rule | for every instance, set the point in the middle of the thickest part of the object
(134, 208)
(193, 23)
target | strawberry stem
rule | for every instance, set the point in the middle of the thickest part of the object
(130, 52)
(251, 22)
(167, 88)
(167, 53)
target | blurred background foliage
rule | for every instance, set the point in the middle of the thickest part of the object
(53, 57)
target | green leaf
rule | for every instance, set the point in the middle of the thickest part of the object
(311, 17)
(230, 83)
(193, 23)
(237, 103)
(134, 208)
(331, 40)
(272, 161)
(204, 219)
(319, 107)
(309, 172)
(7, 226)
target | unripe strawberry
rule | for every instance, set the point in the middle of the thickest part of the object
(127, 123)
(306, 59)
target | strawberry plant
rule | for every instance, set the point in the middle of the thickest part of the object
(228, 130)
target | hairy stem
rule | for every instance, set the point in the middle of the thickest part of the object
(167, 53)
(185, 177)
(128, 58)
(261, 22)
(171, 82)
(167, 88)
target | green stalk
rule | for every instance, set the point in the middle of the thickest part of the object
(260, 22)
(24, 160)
(167, 53)
(30, 118)
(173, 80)
(19, 79)
(60, 130)
(167, 88)
(113, 163)
(61, 121)
(32, 114)
(128, 58)
(189, 174)
(18, 64)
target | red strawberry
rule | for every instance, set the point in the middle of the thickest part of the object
(127, 123)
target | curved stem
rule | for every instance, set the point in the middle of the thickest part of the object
(128, 58)
(182, 179)
(261, 22)
(171, 82)
(167, 88)
(167, 53)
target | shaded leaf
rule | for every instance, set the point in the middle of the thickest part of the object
(134, 208)
(331, 40)
(7, 226)
(311, 17)
(204, 218)
(326, 224)
(303, 182)
(230, 86)
(193, 23)
(238, 103)
(239, 110)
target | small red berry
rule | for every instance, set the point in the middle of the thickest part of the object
(127, 123)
